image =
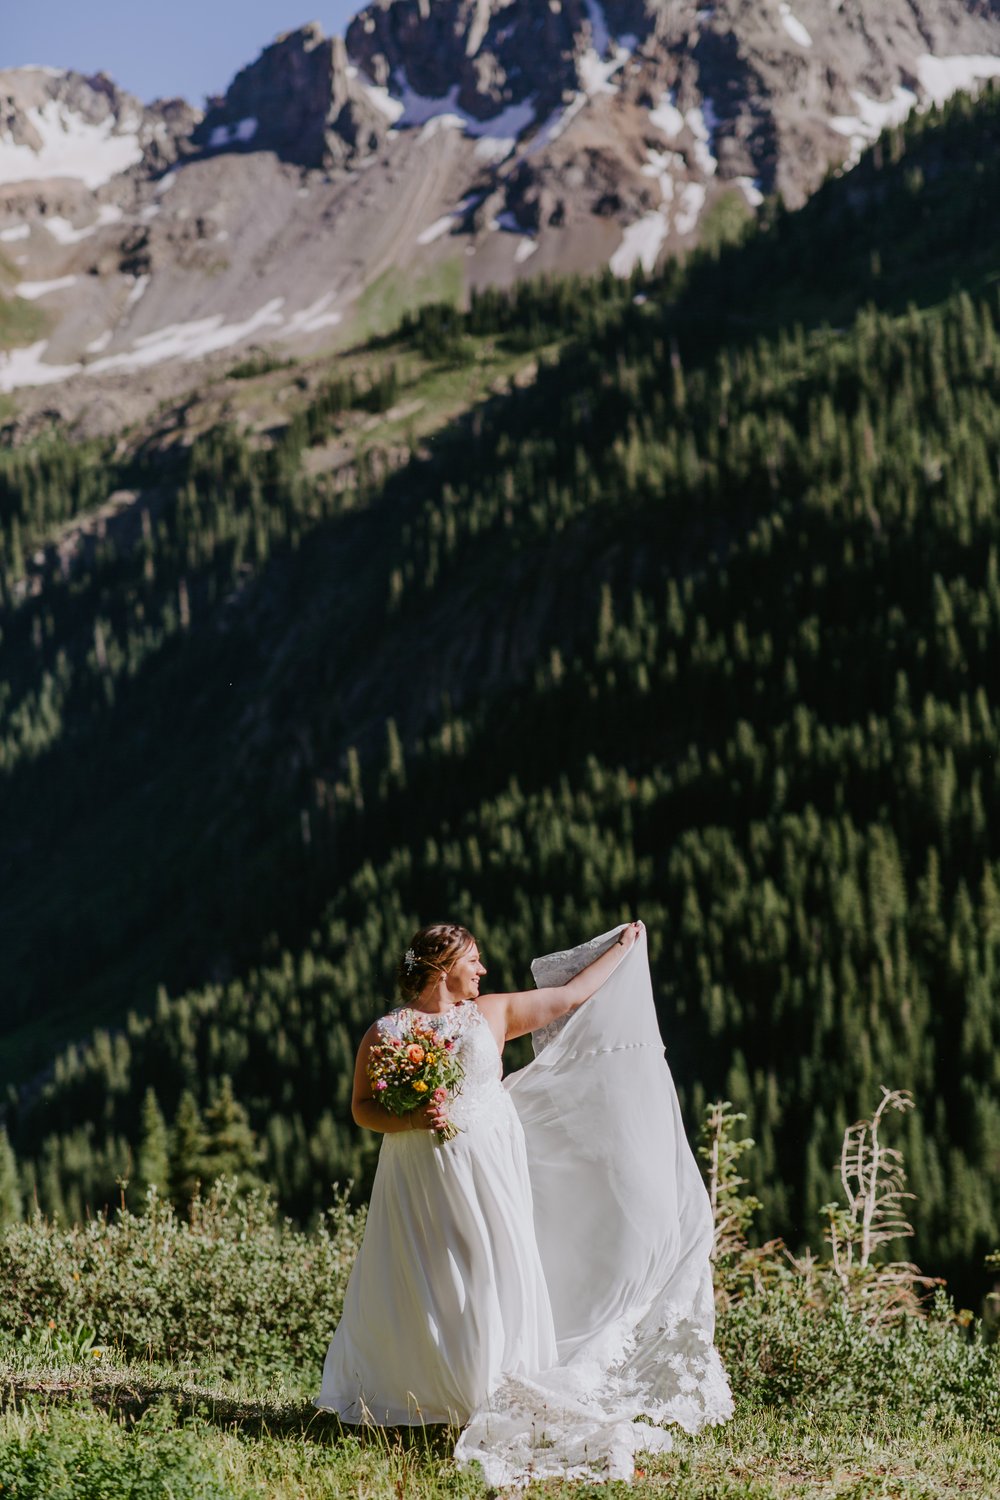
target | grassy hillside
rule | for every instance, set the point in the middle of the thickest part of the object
(680, 599)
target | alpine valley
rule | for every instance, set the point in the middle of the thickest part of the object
(354, 574)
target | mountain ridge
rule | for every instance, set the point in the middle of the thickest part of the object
(475, 143)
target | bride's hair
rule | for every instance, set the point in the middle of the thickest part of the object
(432, 951)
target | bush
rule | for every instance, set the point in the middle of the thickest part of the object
(232, 1287)
(782, 1350)
(79, 1455)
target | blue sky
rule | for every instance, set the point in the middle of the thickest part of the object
(187, 47)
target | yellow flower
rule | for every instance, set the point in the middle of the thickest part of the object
(432, 1057)
(97, 1353)
(421, 1088)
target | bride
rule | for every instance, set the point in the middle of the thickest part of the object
(541, 1279)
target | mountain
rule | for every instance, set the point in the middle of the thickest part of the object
(678, 596)
(442, 146)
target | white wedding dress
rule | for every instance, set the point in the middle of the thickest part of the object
(543, 1279)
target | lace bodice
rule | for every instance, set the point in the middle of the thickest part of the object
(482, 1093)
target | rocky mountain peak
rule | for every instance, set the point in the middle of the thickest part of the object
(299, 99)
(441, 143)
(58, 123)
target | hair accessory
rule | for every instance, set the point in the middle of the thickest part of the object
(410, 959)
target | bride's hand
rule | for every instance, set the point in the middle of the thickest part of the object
(629, 935)
(429, 1116)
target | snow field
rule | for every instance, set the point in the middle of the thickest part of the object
(71, 147)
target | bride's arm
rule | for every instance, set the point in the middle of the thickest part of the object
(366, 1110)
(530, 1009)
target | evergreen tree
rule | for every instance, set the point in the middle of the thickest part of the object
(11, 1205)
(231, 1146)
(153, 1159)
(187, 1151)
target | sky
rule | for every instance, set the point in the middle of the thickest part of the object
(186, 47)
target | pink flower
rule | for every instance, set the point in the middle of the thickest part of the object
(381, 1084)
(440, 1093)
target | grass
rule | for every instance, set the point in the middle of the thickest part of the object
(21, 323)
(390, 296)
(129, 1431)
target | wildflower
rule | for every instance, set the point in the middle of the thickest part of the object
(440, 1093)
(421, 1088)
(381, 1084)
(52, 1322)
(96, 1353)
(415, 1053)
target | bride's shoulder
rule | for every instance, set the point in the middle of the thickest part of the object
(392, 1021)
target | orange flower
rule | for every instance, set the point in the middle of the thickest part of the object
(415, 1053)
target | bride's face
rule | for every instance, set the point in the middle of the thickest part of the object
(466, 972)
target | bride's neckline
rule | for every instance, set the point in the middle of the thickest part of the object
(415, 1009)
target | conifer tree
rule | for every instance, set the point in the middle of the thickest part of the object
(231, 1146)
(153, 1160)
(11, 1206)
(187, 1151)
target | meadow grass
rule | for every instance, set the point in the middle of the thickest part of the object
(390, 296)
(21, 323)
(133, 1431)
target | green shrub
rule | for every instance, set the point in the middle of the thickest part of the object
(78, 1454)
(230, 1288)
(782, 1350)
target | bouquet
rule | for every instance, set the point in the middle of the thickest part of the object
(414, 1068)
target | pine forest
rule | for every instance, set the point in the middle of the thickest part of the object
(674, 597)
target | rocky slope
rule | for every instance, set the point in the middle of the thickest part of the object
(452, 143)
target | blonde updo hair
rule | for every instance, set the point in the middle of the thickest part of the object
(431, 952)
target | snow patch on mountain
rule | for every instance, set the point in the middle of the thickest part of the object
(20, 367)
(436, 230)
(137, 292)
(690, 202)
(445, 112)
(380, 98)
(240, 134)
(70, 147)
(32, 290)
(940, 77)
(873, 116)
(190, 340)
(640, 245)
(794, 26)
(596, 68)
(667, 117)
(312, 319)
(750, 188)
(64, 233)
